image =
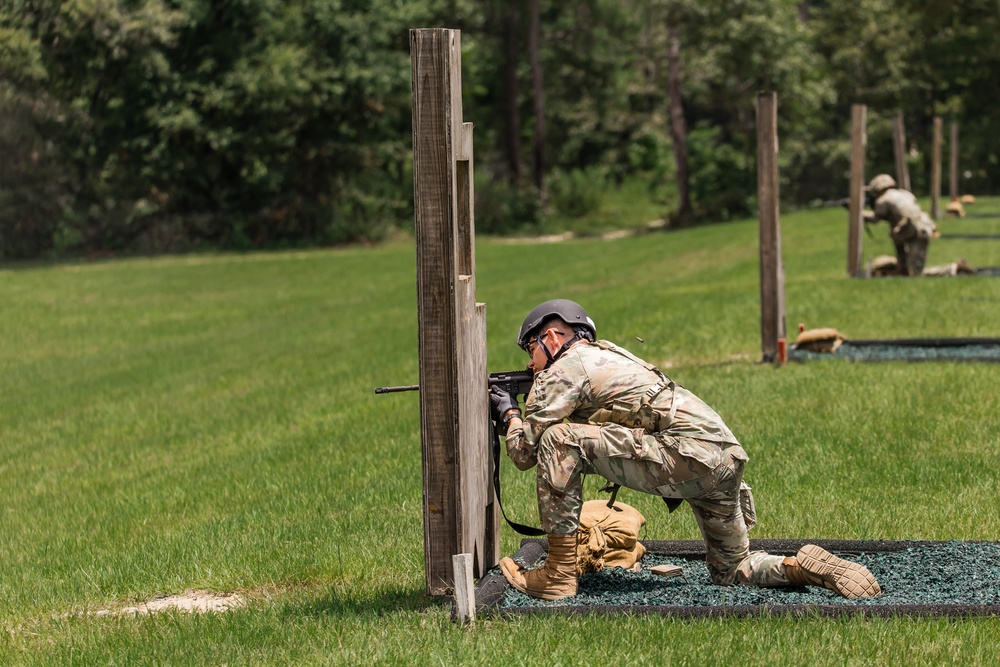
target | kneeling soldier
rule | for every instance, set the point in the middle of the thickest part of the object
(596, 408)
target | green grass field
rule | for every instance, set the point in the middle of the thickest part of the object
(208, 422)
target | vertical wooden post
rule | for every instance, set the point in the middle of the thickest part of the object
(772, 272)
(953, 147)
(859, 141)
(465, 591)
(936, 170)
(459, 510)
(899, 149)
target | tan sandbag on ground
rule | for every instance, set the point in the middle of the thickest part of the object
(960, 267)
(826, 339)
(608, 537)
(883, 265)
(955, 208)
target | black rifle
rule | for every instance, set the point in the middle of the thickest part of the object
(515, 383)
(869, 202)
(845, 202)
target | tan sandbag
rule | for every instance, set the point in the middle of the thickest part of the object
(826, 339)
(955, 208)
(608, 537)
(967, 199)
(883, 265)
(960, 267)
(963, 267)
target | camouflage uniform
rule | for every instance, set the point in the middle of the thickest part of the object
(911, 230)
(676, 447)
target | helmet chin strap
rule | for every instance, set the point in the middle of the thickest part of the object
(553, 357)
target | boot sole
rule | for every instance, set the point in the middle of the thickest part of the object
(850, 580)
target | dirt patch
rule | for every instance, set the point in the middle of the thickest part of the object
(651, 226)
(198, 602)
(549, 238)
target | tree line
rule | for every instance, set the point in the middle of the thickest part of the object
(165, 125)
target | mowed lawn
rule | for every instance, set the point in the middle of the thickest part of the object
(209, 423)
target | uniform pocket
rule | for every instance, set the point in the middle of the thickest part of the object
(616, 441)
(708, 454)
(748, 506)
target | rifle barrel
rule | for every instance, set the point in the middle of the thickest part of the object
(392, 390)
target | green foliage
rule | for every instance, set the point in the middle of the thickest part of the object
(719, 176)
(501, 208)
(161, 125)
(577, 192)
(31, 181)
(650, 152)
(259, 124)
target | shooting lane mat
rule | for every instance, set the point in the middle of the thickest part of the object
(907, 349)
(918, 578)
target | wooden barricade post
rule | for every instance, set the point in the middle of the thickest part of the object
(953, 147)
(772, 271)
(899, 150)
(859, 141)
(460, 514)
(936, 170)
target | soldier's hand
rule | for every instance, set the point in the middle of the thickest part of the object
(500, 404)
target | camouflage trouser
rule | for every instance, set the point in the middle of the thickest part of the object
(701, 472)
(911, 250)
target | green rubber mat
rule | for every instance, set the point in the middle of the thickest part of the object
(917, 578)
(908, 349)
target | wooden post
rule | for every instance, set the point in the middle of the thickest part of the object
(936, 170)
(772, 272)
(465, 591)
(460, 515)
(859, 140)
(899, 149)
(953, 147)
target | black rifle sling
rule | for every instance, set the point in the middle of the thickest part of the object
(518, 527)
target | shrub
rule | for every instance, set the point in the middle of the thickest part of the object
(719, 176)
(577, 192)
(501, 208)
(33, 183)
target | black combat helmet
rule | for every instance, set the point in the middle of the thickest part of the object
(568, 311)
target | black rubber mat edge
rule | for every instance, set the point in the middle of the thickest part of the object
(923, 342)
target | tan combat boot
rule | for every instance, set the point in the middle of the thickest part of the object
(963, 267)
(815, 566)
(554, 580)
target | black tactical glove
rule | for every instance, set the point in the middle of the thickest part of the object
(500, 404)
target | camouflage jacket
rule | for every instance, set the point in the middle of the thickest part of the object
(597, 383)
(898, 206)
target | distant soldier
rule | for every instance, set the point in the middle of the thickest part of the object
(911, 228)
